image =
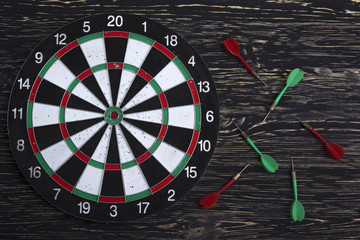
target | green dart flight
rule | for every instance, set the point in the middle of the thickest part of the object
(297, 211)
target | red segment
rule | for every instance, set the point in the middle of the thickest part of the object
(112, 199)
(164, 50)
(64, 131)
(116, 34)
(66, 48)
(62, 182)
(82, 156)
(112, 166)
(114, 115)
(34, 89)
(163, 100)
(162, 184)
(65, 99)
(193, 142)
(143, 157)
(144, 75)
(32, 140)
(84, 74)
(162, 132)
(115, 65)
(193, 91)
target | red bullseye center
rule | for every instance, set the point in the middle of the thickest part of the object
(114, 115)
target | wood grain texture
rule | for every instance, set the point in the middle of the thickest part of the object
(320, 37)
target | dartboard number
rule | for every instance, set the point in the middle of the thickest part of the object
(38, 57)
(57, 191)
(115, 21)
(191, 172)
(171, 40)
(143, 206)
(113, 212)
(86, 26)
(171, 193)
(24, 83)
(60, 38)
(210, 116)
(35, 172)
(20, 145)
(192, 61)
(84, 207)
(145, 26)
(204, 86)
(205, 145)
(18, 113)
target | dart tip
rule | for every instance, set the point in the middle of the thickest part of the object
(297, 119)
(292, 163)
(266, 116)
(258, 78)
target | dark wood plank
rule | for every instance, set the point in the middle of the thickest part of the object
(321, 37)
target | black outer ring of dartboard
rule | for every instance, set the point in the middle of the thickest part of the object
(100, 211)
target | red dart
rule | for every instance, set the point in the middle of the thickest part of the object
(232, 46)
(334, 150)
(209, 200)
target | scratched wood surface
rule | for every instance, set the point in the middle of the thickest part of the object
(320, 37)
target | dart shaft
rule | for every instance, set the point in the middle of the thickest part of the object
(277, 99)
(313, 131)
(293, 174)
(245, 64)
(253, 146)
(227, 185)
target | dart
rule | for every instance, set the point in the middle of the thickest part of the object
(232, 46)
(294, 77)
(267, 161)
(297, 210)
(334, 150)
(211, 199)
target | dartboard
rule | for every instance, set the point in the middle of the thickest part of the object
(113, 117)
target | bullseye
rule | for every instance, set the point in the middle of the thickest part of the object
(113, 115)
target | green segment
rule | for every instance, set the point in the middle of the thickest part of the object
(155, 146)
(138, 195)
(43, 163)
(165, 119)
(130, 68)
(108, 117)
(99, 67)
(29, 115)
(71, 145)
(141, 38)
(253, 146)
(73, 84)
(96, 164)
(85, 195)
(89, 37)
(47, 66)
(197, 116)
(181, 166)
(156, 86)
(128, 164)
(182, 68)
(62, 115)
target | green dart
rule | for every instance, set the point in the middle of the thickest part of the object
(267, 161)
(294, 77)
(297, 211)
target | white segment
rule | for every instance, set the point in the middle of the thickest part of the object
(44, 114)
(102, 148)
(60, 75)
(170, 76)
(134, 181)
(94, 51)
(144, 94)
(90, 180)
(125, 153)
(84, 93)
(102, 77)
(182, 116)
(154, 116)
(127, 77)
(136, 52)
(144, 138)
(168, 156)
(83, 136)
(56, 155)
(73, 115)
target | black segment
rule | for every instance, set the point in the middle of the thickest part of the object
(113, 152)
(115, 49)
(75, 127)
(136, 86)
(75, 61)
(151, 128)
(47, 135)
(112, 184)
(78, 103)
(175, 99)
(178, 137)
(91, 83)
(49, 93)
(153, 171)
(155, 62)
(136, 147)
(114, 75)
(71, 170)
(90, 146)
(150, 104)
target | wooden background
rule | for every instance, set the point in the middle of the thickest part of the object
(321, 37)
